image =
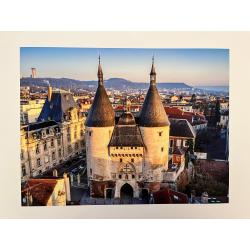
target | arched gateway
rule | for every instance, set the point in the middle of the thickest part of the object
(126, 191)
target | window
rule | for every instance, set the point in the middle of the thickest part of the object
(46, 159)
(82, 143)
(135, 147)
(76, 146)
(75, 135)
(132, 147)
(171, 143)
(45, 146)
(53, 156)
(69, 149)
(120, 147)
(116, 147)
(68, 130)
(82, 133)
(38, 162)
(60, 153)
(160, 133)
(52, 143)
(162, 149)
(68, 137)
(132, 160)
(133, 176)
(90, 171)
(90, 133)
(23, 170)
(185, 143)
(120, 159)
(120, 176)
(37, 149)
(21, 155)
(59, 141)
(113, 176)
(126, 177)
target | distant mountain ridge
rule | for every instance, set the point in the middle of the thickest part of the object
(115, 83)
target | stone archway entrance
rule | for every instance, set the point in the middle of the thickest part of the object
(126, 192)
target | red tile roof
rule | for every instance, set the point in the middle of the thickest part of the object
(40, 189)
(169, 196)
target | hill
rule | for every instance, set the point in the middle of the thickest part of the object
(112, 83)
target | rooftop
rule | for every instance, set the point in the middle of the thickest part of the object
(181, 128)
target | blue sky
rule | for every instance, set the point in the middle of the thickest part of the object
(192, 66)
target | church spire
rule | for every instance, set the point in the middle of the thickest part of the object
(99, 73)
(153, 73)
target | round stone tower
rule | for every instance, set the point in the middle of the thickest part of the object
(99, 127)
(154, 127)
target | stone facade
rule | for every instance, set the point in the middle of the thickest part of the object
(45, 144)
(128, 159)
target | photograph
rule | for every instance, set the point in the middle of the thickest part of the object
(124, 126)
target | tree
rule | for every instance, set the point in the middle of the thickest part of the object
(217, 111)
(193, 98)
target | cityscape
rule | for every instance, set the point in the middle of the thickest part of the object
(124, 126)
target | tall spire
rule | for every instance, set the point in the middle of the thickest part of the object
(99, 73)
(101, 113)
(153, 73)
(152, 113)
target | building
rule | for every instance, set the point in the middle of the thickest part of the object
(132, 157)
(46, 192)
(169, 196)
(56, 137)
(30, 110)
(33, 73)
(224, 119)
(181, 132)
(197, 120)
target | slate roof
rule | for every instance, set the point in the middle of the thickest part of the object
(101, 113)
(181, 128)
(152, 113)
(127, 136)
(40, 125)
(126, 118)
(57, 108)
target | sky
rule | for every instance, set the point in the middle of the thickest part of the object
(196, 67)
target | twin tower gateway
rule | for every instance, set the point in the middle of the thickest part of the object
(126, 158)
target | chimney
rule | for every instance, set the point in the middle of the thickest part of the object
(55, 173)
(49, 93)
(67, 187)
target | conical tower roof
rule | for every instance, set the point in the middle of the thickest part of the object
(101, 113)
(153, 113)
